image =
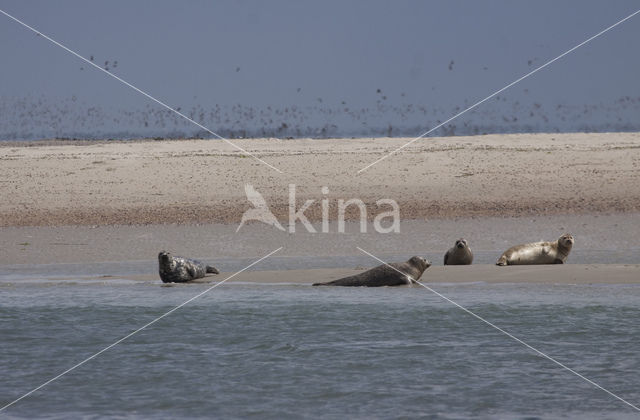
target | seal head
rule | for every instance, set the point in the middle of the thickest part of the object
(566, 241)
(459, 254)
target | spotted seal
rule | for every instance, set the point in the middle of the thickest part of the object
(180, 269)
(555, 252)
(401, 274)
(459, 254)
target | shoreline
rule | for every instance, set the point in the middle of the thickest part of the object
(479, 274)
(202, 181)
(567, 274)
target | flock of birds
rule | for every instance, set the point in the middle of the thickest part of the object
(390, 114)
(32, 118)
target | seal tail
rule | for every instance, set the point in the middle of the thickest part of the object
(211, 269)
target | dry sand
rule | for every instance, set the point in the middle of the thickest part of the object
(191, 181)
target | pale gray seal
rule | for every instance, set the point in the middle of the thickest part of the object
(459, 254)
(180, 269)
(555, 252)
(401, 274)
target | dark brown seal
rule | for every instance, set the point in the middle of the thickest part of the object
(459, 254)
(180, 269)
(393, 274)
(555, 252)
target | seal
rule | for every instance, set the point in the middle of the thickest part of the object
(555, 252)
(180, 269)
(459, 254)
(401, 274)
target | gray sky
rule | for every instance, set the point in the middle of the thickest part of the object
(284, 68)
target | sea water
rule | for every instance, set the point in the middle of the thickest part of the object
(296, 351)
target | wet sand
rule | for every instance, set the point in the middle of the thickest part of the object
(202, 181)
(487, 236)
(606, 251)
(569, 274)
(565, 274)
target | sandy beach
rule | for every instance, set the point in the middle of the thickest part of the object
(202, 181)
(77, 202)
(570, 274)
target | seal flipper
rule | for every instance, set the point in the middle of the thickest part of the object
(192, 272)
(212, 269)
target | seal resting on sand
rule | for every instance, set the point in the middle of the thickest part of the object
(459, 254)
(401, 274)
(555, 252)
(180, 269)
